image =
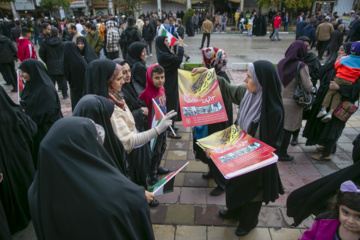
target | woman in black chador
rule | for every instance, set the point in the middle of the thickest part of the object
(74, 69)
(86, 50)
(39, 99)
(79, 193)
(17, 131)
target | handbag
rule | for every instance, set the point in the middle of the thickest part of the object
(302, 98)
(345, 110)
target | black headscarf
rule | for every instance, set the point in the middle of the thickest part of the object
(40, 98)
(287, 66)
(17, 131)
(99, 109)
(134, 53)
(74, 69)
(97, 73)
(77, 192)
(88, 53)
(267, 179)
(161, 48)
(347, 47)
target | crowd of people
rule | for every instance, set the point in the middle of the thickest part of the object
(86, 176)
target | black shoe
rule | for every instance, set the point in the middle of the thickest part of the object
(154, 203)
(171, 135)
(207, 175)
(216, 191)
(241, 232)
(226, 214)
(286, 158)
(176, 129)
(201, 48)
(294, 141)
(14, 90)
(187, 59)
(162, 170)
(66, 97)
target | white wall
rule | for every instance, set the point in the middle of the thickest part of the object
(165, 6)
(343, 6)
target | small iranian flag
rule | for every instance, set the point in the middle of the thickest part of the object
(165, 185)
(21, 86)
(156, 119)
(163, 32)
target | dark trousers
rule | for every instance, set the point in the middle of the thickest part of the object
(149, 46)
(295, 134)
(322, 45)
(9, 70)
(61, 82)
(205, 35)
(272, 33)
(35, 38)
(112, 55)
(5, 76)
(247, 215)
(285, 142)
(158, 152)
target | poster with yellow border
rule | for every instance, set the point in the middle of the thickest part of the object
(200, 99)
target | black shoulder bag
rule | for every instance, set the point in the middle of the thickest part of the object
(301, 97)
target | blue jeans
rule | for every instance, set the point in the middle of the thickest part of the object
(276, 33)
(35, 38)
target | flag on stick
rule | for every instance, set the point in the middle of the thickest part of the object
(20, 86)
(157, 115)
(163, 32)
(165, 185)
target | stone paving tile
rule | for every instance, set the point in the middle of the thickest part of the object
(286, 168)
(168, 144)
(350, 130)
(308, 149)
(291, 182)
(344, 139)
(176, 155)
(190, 232)
(191, 145)
(285, 234)
(180, 214)
(195, 180)
(26, 234)
(208, 215)
(158, 214)
(294, 149)
(353, 123)
(174, 164)
(258, 233)
(347, 147)
(281, 201)
(191, 195)
(163, 232)
(343, 165)
(270, 217)
(185, 137)
(212, 183)
(231, 222)
(216, 200)
(183, 129)
(326, 168)
(217, 233)
(170, 197)
(179, 145)
(190, 155)
(164, 155)
(197, 166)
(309, 179)
(341, 158)
(306, 169)
(352, 136)
(300, 158)
(179, 179)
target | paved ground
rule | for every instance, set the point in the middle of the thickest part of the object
(190, 212)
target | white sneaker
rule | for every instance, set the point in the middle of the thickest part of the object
(321, 113)
(327, 118)
(150, 55)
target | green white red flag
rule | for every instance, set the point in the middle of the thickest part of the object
(163, 32)
(165, 185)
(157, 116)
(20, 85)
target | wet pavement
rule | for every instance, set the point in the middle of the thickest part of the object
(190, 212)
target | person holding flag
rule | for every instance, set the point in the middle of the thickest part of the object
(155, 100)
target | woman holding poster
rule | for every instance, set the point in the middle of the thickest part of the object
(261, 114)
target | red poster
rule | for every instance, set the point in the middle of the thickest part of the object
(235, 152)
(200, 99)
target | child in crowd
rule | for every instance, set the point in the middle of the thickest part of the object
(25, 48)
(155, 79)
(344, 223)
(249, 26)
(348, 71)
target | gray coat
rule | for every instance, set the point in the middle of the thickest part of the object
(293, 112)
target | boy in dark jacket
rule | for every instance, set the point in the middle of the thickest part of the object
(8, 55)
(148, 36)
(128, 36)
(50, 52)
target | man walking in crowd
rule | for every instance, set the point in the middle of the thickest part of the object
(79, 27)
(309, 30)
(8, 55)
(75, 33)
(25, 48)
(50, 52)
(129, 35)
(207, 26)
(148, 36)
(93, 38)
(300, 27)
(323, 33)
(180, 32)
(336, 40)
(112, 41)
(45, 32)
(352, 27)
(16, 31)
(277, 24)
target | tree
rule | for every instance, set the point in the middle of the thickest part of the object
(131, 4)
(291, 4)
(54, 5)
